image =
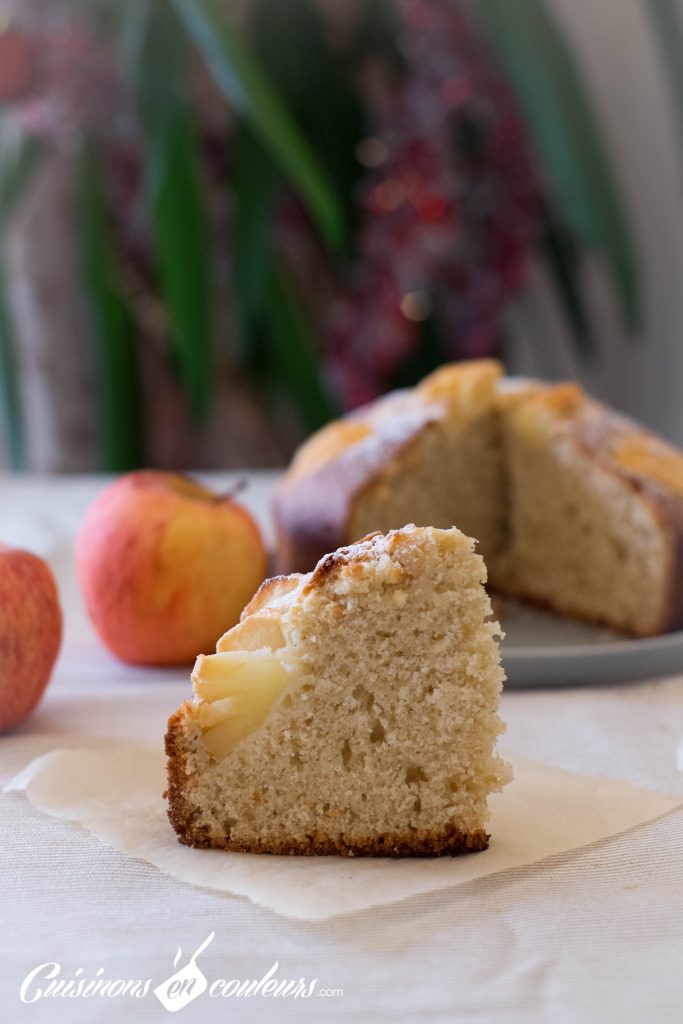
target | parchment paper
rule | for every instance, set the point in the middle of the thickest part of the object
(116, 794)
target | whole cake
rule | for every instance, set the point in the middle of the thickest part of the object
(574, 507)
(352, 711)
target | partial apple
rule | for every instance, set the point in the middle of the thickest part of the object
(30, 633)
(166, 566)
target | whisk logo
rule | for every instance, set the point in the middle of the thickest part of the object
(186, 984)
(189, 982)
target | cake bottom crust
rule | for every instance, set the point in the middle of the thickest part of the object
(450, 842)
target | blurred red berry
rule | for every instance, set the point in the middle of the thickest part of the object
(451, 211)
(20, 66)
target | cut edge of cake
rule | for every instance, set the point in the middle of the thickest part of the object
(365, 452)
(583, 478)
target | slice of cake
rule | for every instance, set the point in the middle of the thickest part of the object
(353, 710)
(573, 506)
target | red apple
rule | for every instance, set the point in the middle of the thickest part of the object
(166, 566)
(30, 632)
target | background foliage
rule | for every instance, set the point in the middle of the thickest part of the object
(279, 137)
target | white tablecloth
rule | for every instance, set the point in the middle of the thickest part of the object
(594, 936)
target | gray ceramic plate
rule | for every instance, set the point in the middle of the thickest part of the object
(542, 650)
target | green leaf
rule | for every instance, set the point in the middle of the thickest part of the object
(665, 16)
(133, 34)
(254, 188)
(10, 405)
(245, 85)
(113, 324)
(278, 344)
(154, 53)
(19, 158)
(563, 262)
(567, 137)
(157, 56)
(293, 350)
(181, 250)
(318, 83)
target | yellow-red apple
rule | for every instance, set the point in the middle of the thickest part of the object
(30, 632)
(166, 566)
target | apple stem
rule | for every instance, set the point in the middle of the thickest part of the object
(237, 488)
